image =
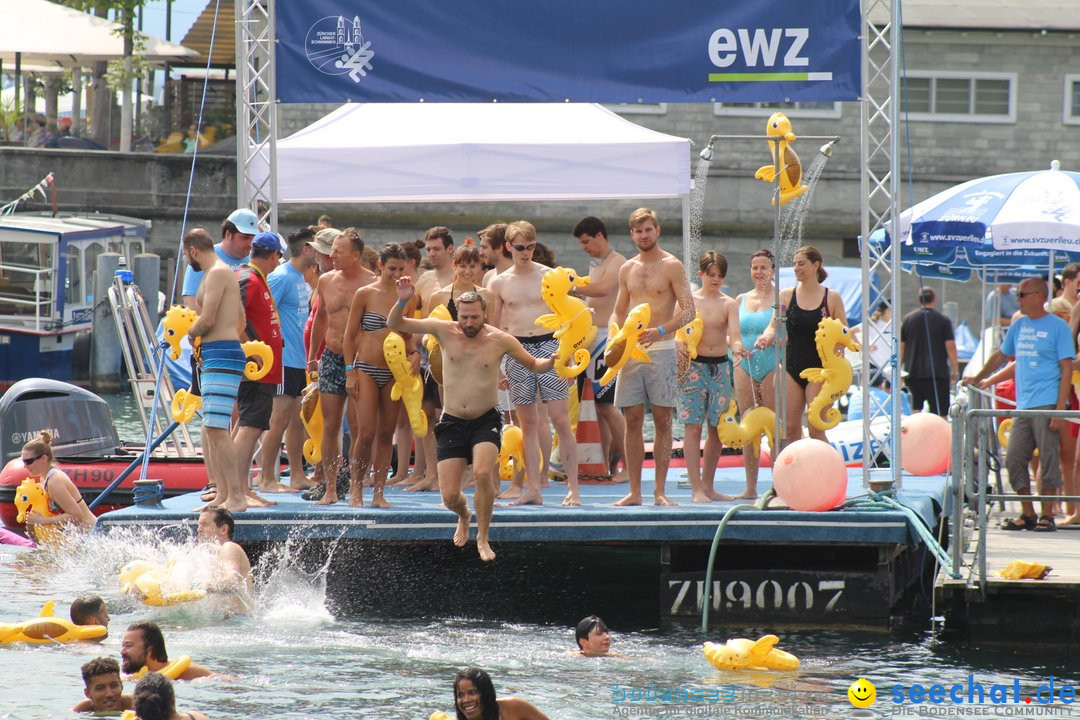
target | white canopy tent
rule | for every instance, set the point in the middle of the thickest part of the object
(451, 152)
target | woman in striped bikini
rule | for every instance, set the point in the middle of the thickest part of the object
(368, 379)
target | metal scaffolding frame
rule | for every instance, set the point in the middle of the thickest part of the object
(256, 122)
(879, 188)
(256, 109)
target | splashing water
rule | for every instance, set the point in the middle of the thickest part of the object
(288, 594)
(791, 227)
(697, 214)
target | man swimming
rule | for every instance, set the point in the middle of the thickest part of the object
(104, 688)
(232, 574)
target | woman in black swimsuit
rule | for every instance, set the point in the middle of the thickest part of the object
(805, 305)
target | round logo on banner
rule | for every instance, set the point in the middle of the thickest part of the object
(335, 45)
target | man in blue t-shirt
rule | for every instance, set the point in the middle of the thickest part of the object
(1043, 350)
(292, 294)
(237, 232)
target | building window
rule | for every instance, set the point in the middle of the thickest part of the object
(797, 110)
(638, 108)
(959, 97)
(1072, 100)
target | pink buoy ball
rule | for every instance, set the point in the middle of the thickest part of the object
(809, 475)
(925, 444)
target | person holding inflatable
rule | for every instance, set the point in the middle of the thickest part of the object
(474, 699)
(805, 305)
(143, 646)
(755, 376)
(37, 457)
(155, 699)
(104, 688)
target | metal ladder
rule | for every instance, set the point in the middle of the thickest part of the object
(140, 348)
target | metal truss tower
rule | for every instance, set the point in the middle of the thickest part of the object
(256, 109)
(879, 187)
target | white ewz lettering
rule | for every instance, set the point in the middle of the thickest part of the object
(762, 45)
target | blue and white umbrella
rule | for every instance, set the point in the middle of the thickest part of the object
(1016, 211)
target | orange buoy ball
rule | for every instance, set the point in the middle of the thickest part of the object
(809, 475)
(925, 444)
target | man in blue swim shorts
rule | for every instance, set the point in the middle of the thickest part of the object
(218, 303)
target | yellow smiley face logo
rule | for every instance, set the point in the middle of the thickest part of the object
(862, 693)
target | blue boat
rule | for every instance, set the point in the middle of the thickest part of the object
(46, 289)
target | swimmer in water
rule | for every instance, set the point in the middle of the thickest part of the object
(474, 699)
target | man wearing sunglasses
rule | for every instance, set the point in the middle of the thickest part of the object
(517, 305)
(656, 277)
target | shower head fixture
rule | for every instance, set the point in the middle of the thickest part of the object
(827, 148)
(706, 154)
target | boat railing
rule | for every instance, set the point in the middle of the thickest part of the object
(141, 352)
(26, 298)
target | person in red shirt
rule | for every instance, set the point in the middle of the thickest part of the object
(255, 400)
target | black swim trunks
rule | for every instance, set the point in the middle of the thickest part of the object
(456, 437)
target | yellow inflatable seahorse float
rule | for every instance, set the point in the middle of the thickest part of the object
(311, 417)
(184, 405)
(30, 496)
(432, 344)
(690, 334)
(148, 581)
(176, 323)
(47, 628)
(173, 670)
(739, 653)
(257, 349)
(511, 451)
(791, 184)
(755, 423)
(570, 319)
(622, 342)
(835, 375)
(407, 387)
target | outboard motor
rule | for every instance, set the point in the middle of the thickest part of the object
(80, 422)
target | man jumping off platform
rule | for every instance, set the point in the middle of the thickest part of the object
(470, 426)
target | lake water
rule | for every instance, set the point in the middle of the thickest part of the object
(299, 655)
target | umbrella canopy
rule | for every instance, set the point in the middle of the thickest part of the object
(1016, 211)
(48, 33)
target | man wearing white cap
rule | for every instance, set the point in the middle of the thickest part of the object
(237, 232)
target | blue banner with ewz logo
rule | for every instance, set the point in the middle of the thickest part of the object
(613, 51)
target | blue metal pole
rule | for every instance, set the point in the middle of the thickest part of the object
(134, 464)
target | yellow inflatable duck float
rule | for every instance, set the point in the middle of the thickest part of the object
(311, 417)
(440, 715)
(184, 405)
(511, 451)
(173, 670)
(407, 387)
(755, 423)
(690, 334)
(47, 628)
(1022, 570)
(31, 497)
(740, 653)
(260, 350)
(571, 320)
(176, 323)
(791, 184)
(432, 344)
(622, 344)
(147, 581)
(835, 375)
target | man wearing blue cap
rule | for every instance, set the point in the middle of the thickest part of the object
(237, 232)
(255, 400)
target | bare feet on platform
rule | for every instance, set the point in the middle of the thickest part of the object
(254, 500)
(380, 502)
(529, 497)
(746, 495)
(718, 496)
(701, 498)
(328, 498)
(662, 500)
(572, 499)
(486, 553)
(511, 493)
(405, 479)
(301, 483)
(1070, 520)
(631, 499)
(277, 488)
(425, 485)
(356, 499)
(461, 534)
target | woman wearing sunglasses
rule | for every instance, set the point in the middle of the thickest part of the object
(40, 464)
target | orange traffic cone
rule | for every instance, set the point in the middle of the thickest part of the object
(592, 465)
